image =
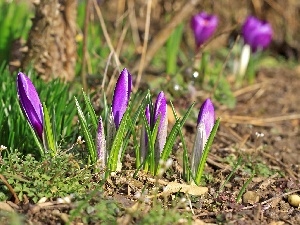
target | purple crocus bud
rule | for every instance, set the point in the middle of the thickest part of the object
(205, 123)
(30, 103)
(121, 96)
(207, 116)
(160, 111)
(203, 25)
(257, 33)
(101, 143)
(147, 114)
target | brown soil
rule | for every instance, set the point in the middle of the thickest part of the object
(263, 129)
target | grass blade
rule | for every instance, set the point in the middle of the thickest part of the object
(86, 133)
(90, 109)
(48, 137)
(116, 149)
(172, 136)
(240, 194)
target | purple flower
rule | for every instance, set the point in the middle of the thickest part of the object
(203, 26)
(207, 116)
(121, 96)
(160, 112)
(30, 103)
(205, 123)
(257, 33)
(101, 143)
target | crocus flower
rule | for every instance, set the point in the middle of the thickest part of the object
(257, 33)
(121, 96)
(205, 123)
(101, 143)
(203, 25)
(30, 103)
(160, 112)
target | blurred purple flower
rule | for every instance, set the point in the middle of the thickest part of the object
(30, 103)
(203, 25)
(205, 123)
(121, 96)
(257, 33)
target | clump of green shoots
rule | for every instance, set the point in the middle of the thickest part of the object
(108, 150)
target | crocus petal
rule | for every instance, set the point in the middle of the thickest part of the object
(203, 26)
(160, 111)
(30, 103)
(111, 131)
(147, 114)
(245, 57)
(205, 123)
(207, 116)
(199, 145)
(101, 143)
(121, 96)
(257, 33)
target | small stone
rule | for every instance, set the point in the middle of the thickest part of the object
(250, 197)
(64, 217)
(294, 200)
(56, 212)
(6, 207)
(42, 200)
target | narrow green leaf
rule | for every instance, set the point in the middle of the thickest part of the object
(35, 136)
(86, 133)
(173, 45)
(172, 136)
(133, 121)
(186, 166)
(241, 192)
(150, 147)
(116, 148)
(154, 152)
(236, 166)
(90, 109)
(37, 141)
(48, 134)
(206, 151)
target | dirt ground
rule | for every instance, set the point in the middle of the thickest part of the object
(263, 129)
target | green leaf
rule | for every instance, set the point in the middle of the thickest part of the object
(173, 45)
(243, 189)
(206, 151)
(236, 166)
(116, 148)
(186, 166)
(90, 109)
(172, 136)
(86, 133)
(37, 140)
(132, 121)
(155, 154)
(48, 137)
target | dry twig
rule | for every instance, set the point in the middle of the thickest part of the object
(10, 188)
